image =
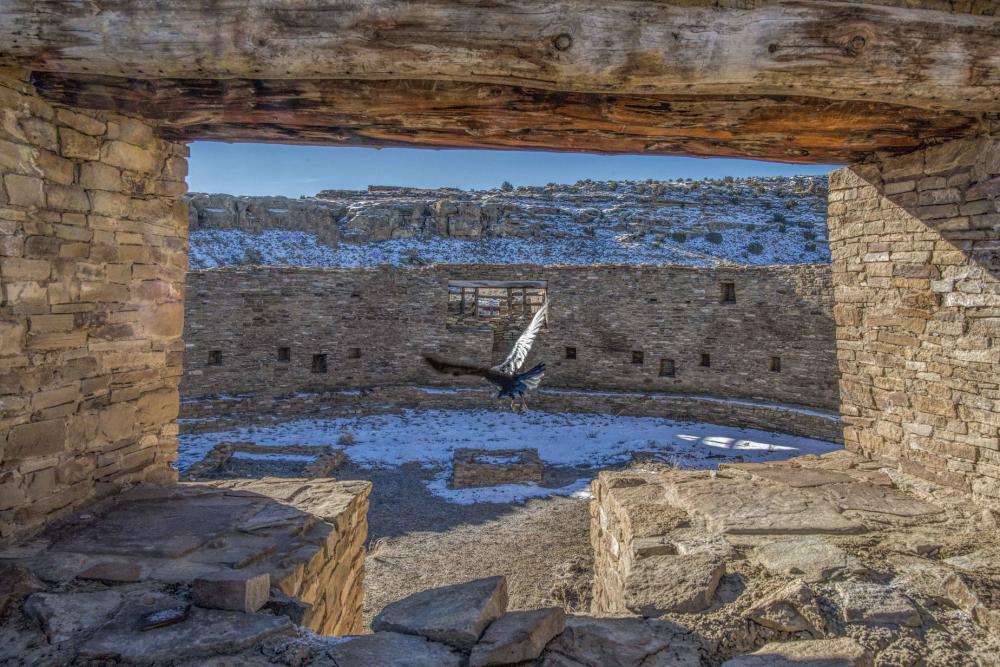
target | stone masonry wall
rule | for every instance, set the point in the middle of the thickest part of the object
(92, 263)
(916, 269)
(375, 325)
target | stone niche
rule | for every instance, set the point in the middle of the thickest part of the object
(916, 272)
(484, 467)
(93, 255)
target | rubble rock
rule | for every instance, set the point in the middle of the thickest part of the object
(864, 602)
(64, 616)
(621, 642)
(483, 467)
(517, 636)
(790, 609)
(393, 649)
(112, 571)
(839, 652)
(206, 632)
(285, 605)
(665, 584)
(809, 558)
(979, 599)
(16, 582)
(455, 615)
(235, 590)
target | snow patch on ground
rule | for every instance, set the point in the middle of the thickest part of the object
(587, 441)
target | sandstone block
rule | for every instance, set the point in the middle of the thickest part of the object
(392, 648)
(42, 438)
(17, 582)
(792, 608)
(100, 176)
(234, 590)
(127, 156)
(683, 584)
(112, 571)
(862, 602)
(455, 615)
(517, 636)
(811, 558)
(25, 190)
(74, 144)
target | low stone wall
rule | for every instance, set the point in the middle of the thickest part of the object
(327, 573)
(232, 410)
(93, 255)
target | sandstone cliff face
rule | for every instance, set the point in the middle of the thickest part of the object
(749, 221)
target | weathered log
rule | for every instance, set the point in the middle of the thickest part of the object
(463, 115)
(808, 48)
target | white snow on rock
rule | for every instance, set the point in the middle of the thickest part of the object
(750, 221)
(587, 441)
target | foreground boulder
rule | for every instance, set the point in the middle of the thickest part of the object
(518, 636)
(455, 615)
(622, 642)
(392, 648)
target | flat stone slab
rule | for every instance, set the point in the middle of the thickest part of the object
(485, 467)
(621, 642)
(876, 499)
(809, 558)
(839, 652)
(863, 602)
(752, 507)
(64, 616)
(665, 584)
(206, 632)
(167, 527)
(455, 615)
(790, 475)
(395, 649)
(517, 636)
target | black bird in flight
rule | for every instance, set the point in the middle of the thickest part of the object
(505, 376)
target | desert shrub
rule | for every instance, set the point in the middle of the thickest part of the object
(678, 237)
(809, 235)
(755, 248)
(506, 186)
(810, 247)
(714, 237)
(346, 439)
(778, 217)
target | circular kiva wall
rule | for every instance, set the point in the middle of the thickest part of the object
(743, 346)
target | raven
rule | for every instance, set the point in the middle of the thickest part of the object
(505, 376)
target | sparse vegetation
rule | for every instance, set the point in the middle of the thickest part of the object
(506, 186)
(755, 248)
(346, 439)
(714, 237)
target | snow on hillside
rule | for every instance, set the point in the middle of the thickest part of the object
(755, 221)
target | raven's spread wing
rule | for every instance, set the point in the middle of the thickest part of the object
(451, 368)
(519, 353)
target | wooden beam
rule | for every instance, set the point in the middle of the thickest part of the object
(464, 115)
(823, 49)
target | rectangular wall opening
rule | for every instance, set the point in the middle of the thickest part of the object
(728, 292)
(667, 368)
(214, 358)
(706, 360)
(571, 353)
(775, 364)
(354, 353)
(494, 302)
(284, 354)
(319, 363)
(637, 357)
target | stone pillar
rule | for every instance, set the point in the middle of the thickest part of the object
(93, 253)
(915, 241)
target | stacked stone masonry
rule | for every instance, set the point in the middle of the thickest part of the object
(916, 270)
(610, 328)
(92, 263)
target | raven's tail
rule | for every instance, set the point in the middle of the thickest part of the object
(532, 377)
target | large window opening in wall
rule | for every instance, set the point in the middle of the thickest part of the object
(214, 358)
(637, 357)
(667, 368)
(494, 301)
(775, 364)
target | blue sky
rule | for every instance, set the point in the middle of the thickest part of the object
(272, 169)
